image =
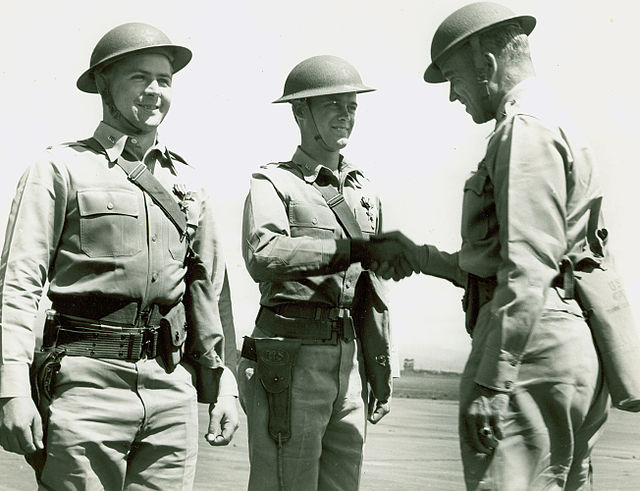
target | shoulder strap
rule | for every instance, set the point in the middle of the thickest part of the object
(341, 209)
(138, 174)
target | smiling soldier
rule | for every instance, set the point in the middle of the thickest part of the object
(126, 238)
(305, 220)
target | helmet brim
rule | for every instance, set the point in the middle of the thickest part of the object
(179, 55)
(317, 92)
(433, 74)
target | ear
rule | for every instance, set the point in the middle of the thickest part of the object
(490, 65)
(299, 109)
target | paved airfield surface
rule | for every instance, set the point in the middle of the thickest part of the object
(414, 448)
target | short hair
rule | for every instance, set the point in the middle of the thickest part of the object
(507, 41)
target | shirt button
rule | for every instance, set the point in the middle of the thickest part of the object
(514, 363)
(134, 141)
(195, 355)
(109, 206)
(314, 221)
(154, 238)
(508, 384)
(347, 285)
(111, 139)
(154, 277)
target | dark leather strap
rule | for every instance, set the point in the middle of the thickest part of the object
(101, 309)
(341, 209)
(310, 311)
(311, 331)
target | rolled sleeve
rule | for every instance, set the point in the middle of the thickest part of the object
(528, 174)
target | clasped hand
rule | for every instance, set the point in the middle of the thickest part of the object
(392, 255)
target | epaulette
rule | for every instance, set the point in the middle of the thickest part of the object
(80, 143)
(275, 164)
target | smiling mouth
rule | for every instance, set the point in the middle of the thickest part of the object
(148, 107)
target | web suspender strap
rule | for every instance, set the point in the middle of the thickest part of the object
(341, 209)
(138, 174)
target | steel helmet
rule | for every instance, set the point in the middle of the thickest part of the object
(126, 39)
(462, 24)
(322, 75)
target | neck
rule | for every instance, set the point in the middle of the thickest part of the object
(319, 151)
(510, 76)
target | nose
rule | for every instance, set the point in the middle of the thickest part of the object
(452, 94)
(343, 112)
(153, 88)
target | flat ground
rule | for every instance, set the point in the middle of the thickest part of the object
(414, 448)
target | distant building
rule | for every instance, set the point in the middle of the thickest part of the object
(409, 364)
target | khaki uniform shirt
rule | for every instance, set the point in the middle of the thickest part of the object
(78, 222)
(292, 242)
(524, 208)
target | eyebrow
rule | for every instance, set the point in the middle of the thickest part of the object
(147, 72)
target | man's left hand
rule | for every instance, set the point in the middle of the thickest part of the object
(377, 410)
(223, 421)
(484, 419)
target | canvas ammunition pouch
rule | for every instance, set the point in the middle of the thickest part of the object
(276, 358)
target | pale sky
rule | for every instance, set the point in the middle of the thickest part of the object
(415, 145)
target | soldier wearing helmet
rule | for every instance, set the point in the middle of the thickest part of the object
(532, 399)
(122, 230)
(306, 221)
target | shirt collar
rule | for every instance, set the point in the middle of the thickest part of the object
(311, 169)
(114, 143)
(511, 98)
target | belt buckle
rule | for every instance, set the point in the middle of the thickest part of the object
(336, 313)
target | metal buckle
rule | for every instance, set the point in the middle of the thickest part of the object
(137, 171)
(149, 343)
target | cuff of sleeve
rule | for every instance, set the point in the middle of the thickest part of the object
(228, 385)
(424, 255)
(498, 370)
(14, 380)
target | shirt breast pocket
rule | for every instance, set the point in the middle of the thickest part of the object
(477, 206)
(310, 220)
(109, 223)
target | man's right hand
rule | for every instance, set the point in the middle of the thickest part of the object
(20, 425)
(386, 254)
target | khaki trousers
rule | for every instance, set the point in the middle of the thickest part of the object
(118, 425)
(556, 412)
(328, 417)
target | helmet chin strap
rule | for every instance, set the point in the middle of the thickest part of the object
(318, 137)
(105, 92)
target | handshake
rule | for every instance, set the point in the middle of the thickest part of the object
(389, 255)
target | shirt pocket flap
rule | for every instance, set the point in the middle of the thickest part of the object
(309, 215)
(476, 182)
(109, 202)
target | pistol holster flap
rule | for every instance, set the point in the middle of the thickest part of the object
(276, 358)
